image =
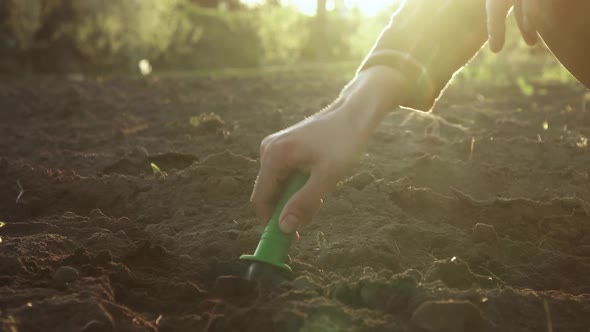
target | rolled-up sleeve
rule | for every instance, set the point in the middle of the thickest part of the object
(428, 41)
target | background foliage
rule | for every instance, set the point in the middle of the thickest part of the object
(40, 36)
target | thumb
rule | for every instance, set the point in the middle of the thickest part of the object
(306, 203)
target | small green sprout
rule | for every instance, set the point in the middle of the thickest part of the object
(21, 191)
(156, 170)
(548, 316)
(526, 89)
(322, 240)
(545, 125)
(12, 323)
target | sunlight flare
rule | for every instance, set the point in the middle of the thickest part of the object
(145, 67)
(308, 7)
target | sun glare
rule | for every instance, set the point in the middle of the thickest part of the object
(308, 7)
(369, 7)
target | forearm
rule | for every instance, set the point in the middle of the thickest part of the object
(427, 42)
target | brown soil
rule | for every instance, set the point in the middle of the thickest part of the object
(95, 241)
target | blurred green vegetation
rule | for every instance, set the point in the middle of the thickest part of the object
(518, 63)
(98, 36)
(93, 36)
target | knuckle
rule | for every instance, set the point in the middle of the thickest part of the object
(269, 141)
(280, 147)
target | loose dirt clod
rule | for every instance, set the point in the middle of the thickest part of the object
(455, 273)
(10, 265)
(450, 316)
(340, 290)
(360, 180)
(374, 294)
(64, 275)
(103, 257)
(306, 283)
(484, 233)
(209, 122)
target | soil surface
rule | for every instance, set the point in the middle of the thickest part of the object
(476, 218)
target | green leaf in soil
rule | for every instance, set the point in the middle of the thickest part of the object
(526, 88)
(155, 169)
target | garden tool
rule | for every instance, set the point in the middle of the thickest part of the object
(269, 261)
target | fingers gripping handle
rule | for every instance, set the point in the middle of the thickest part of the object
(273, 247)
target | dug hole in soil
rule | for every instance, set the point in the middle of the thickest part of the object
(125, 203)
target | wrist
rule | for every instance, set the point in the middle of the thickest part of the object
(372, 94)
(375, 91)
(364, 102)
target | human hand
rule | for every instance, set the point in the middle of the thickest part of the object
(325, 146)
(527, 14)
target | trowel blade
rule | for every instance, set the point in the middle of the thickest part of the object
(266, 274)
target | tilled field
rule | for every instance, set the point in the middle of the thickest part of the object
(476, 219)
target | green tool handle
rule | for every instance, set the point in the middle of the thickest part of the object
(273, 247)
(294, 184)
